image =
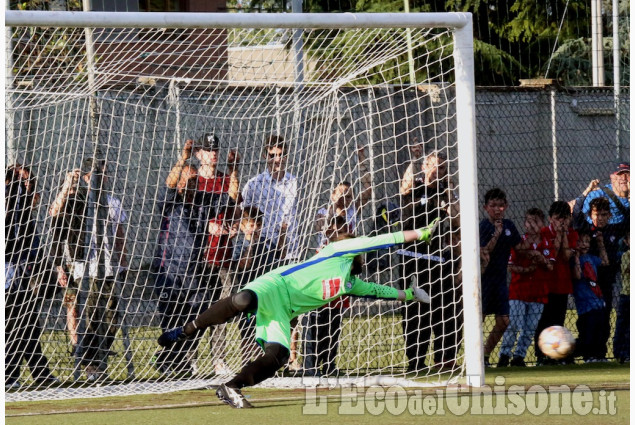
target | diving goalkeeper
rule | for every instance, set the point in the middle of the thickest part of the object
(286, 292)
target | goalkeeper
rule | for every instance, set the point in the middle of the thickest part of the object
(286, 292)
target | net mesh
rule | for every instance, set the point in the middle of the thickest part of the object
(88, 287)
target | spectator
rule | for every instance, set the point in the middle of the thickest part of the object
(527, 291)
(427, 194)
(69, 211)
(23, 267)
(274, 192)
(178, 281)
(498, 236)
(618, 192)
(217, 196)
(249, 259)
(610, 235)
(589, 300)
(344, 203)
(323, 326)
(563, 240)
(621, 340)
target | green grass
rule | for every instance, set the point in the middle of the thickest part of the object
(286, 406)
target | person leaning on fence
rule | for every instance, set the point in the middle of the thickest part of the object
(71, 256)
(286, 292)
(497, 236)
(427, 193)
(26, 280)
(527, 290)
(563, 240)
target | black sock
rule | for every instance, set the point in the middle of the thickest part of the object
(276, 355)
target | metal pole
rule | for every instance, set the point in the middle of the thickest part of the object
(8, 100)
(554, 144)
(411, 62)
(597, 49)
(616, 75)
(298, 46)
(90, 70)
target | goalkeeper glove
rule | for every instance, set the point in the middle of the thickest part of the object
(426, 233)
(168, 338)
(417, 294)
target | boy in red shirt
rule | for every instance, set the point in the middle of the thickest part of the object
(528, 289)
(563, 240)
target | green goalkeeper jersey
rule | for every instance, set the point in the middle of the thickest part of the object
(327, 276)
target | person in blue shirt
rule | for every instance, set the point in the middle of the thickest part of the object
(617, 192)
(498, 236)
(589, 302)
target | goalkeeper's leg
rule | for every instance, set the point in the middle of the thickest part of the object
(220, 312)
(276, 355)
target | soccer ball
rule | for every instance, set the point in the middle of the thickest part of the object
(556, 342)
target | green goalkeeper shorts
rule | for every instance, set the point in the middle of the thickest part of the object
(273, 316)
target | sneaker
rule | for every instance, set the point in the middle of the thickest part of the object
(221, 368)
(295, 365)
(445, 366)
(11, 385)
(233, 397)
(518, 362)
(503, 360)
(486, 361)
(47, 380)
(168, 338)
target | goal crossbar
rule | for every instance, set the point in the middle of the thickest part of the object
(236, 20)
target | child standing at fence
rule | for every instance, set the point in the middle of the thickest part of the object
(528, 289)
(589, 300)
(563, 240)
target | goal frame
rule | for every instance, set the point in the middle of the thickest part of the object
(460, 23)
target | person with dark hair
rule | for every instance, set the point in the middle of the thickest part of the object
(26, 279)
(592, 328)
(216, 198)
(72, 256)
(286, 292)
(176, 263)
(427, 194)
(497, 236)
(563, 239)
(527, 290)
(274, 192)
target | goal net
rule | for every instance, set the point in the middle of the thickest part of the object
(108, 242)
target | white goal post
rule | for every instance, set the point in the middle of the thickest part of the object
(130, 88)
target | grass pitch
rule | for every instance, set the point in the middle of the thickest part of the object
(290, 406)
